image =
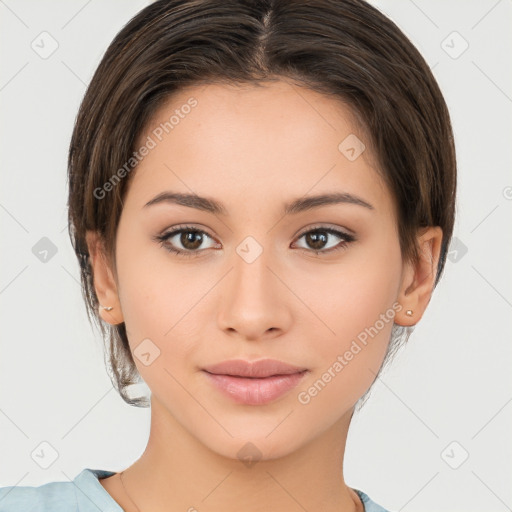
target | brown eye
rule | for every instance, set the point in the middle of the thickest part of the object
(191, 240)
(184, 241)
(317, 239)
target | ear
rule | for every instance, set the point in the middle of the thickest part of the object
(104, 282)
(418, 280)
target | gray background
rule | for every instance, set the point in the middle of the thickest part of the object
(447, 395)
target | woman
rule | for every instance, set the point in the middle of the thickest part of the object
(261, 198)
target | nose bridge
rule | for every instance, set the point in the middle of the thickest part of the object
(251, 275)
(252, 302)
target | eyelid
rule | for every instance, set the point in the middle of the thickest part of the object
(184, 227)
(170, 232)
(344, 231)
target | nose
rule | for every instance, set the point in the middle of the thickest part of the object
(254, 303)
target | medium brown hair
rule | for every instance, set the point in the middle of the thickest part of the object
(346, 49)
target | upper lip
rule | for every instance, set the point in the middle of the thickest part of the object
(254, 369)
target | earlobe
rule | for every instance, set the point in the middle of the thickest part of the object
(419, 279)
(104, 282)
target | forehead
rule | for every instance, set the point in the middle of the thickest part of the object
(262, 107)
(275, 139)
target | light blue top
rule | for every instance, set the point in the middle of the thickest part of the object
(84, 494)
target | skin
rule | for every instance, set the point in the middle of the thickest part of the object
(253, 149)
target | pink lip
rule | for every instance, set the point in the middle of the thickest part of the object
(255, 369)
(255, 383)
(251, 391)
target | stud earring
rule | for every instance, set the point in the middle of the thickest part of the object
(409, 312)
(107, 308)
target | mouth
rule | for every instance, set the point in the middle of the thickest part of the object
(255, 378)
(255, 390)
(260, 369)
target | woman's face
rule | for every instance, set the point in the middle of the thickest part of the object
(259, 282)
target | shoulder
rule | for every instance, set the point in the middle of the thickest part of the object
(84, 493)
(369, 504)
(51, 496)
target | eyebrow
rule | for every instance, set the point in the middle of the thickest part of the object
(297, 206)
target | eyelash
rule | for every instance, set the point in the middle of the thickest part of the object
(163, 239)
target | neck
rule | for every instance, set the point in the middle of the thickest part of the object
(178, 472)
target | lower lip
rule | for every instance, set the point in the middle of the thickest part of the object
(255, 391)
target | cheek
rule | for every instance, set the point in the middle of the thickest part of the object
(347, 362)
(154, 294)
(159, 320)
(163, 304)
(353, 306)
